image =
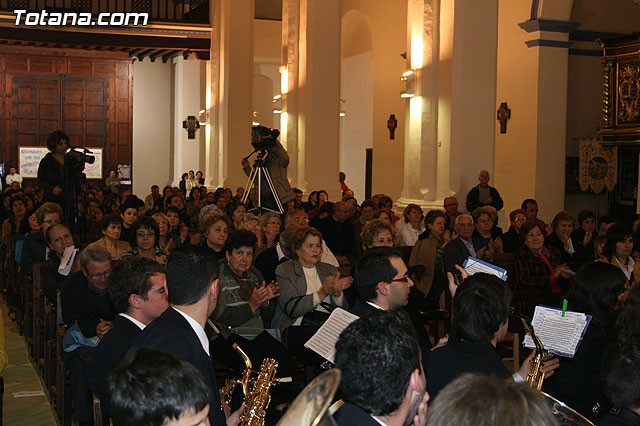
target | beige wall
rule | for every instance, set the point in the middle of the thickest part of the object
(152, 125)
(387, 23)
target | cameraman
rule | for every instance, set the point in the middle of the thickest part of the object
(53, 172)
(276, 161)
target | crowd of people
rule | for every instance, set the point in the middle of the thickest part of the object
(193, 271)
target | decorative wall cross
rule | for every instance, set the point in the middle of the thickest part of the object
(504, 114)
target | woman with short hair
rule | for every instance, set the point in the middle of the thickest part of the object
(111, 227)
(145, 235)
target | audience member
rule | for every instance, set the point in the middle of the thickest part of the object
(269, 229)
(483, 194)
(530, 207)
(451, 210)
(459, 249)
(411, 226)
(111, 228)
(165, 242)
(154, 201)
(382, 377)
(604, 223)
(621, 384)
(12, 177)
(560, 238)
(215, 229)
(237, 213)
(618, 249)
(145, 234)
(583, 238)
(511, 238)
(129, 214)
(339, 234)
(485, 231)
(35, 246)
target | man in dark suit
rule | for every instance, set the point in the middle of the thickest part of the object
(621, 383)
(382, 378)
(339, 234)
(268, 260)
(459, 249)
(382, 281)
(137, 288)
(192, 281)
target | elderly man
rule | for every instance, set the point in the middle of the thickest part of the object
(383, 343)
(88, 313)
(339, 233)
(483, 194)
(459, 249)
(154, 200)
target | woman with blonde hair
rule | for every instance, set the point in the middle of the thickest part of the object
(165, 242)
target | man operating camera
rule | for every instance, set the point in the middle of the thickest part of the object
(276, 160)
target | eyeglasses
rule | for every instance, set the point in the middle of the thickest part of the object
(96, 277)
(404, 279)
(51, 221)
(144, 234)
(300, 220)
(520, 219)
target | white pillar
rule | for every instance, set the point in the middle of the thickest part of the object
(229, 94)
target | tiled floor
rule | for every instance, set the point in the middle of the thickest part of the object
(20, 376)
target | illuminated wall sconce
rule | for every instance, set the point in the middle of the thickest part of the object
(342, 111)
(203, 118)
(409, 79)
(277, 104)
(255, 121)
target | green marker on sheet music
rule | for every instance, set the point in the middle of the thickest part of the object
(565, 302)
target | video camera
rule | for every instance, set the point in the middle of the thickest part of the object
(263, 138)
(78, 157)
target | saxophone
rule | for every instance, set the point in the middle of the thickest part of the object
(536, 377)
(255, 390)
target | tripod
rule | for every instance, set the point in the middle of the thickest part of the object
(257, 172)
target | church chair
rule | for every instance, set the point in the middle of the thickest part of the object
(50, 349)
(37, 317)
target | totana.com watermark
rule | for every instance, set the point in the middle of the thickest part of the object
(57, 19)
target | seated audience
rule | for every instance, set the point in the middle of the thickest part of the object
(583, 237)
(481, 304)
(58, 238)
(486, 231)
(618, 249)
(111, 228)
(269, 259)
(154, 201)
(152, 387)
(309, 288)
(339, 234)
(451, 210)
(237, 212)
(137, 288)
(88, 314)
(382, 377)
(377, 233)
(411, 226)
(385, 203)
(604, 223)
(165, 242)
(480, 400)
(144, 240)
(459, 249)
(366, 215)
(530, 207)
(511, 238)
(129, 214)
(538, 269)
(560, 238)
(194, 204)
(428, 251)
(179, 230)
(215, 229)
(35, 246)
(17, 222)
(269, 229)
(621, 384)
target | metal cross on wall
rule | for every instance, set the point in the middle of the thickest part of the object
(504, 114)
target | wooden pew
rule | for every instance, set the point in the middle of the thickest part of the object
(63, 376)
(37, 318)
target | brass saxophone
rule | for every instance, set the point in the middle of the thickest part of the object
(536, 377)
(255, 390)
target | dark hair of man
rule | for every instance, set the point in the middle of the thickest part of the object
(474, 399)
(376, 355)
(528, 226)
(54, 138)
(372, 267)
(584, 215)
(240, 238)
(109, 219)
(18, 198)
(621, 375)
(170, 199)
(190, 271)
(154, 187)
(617, 233)
(595, 289)
(367, 203)
(327, 208)
(297, 191)
(628, 322)
(605, 219)
(528, 201)
(144, 222)
(128, 204)
(311, 195)
(131, 275)
(150, 387)
(481, 305)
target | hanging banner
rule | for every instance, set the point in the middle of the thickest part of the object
(598, 166)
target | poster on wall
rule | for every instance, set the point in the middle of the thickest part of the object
(29, 159)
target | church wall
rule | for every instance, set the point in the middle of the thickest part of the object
(152, 125)
(387, 22)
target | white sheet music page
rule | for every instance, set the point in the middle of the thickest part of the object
(559, 335)
(473, 266)
(324, 341)
(67, 260)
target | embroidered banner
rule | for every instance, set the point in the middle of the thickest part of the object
(598, 166)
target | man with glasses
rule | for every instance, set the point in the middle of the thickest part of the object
(88, 312)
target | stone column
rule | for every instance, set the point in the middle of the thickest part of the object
(229, 94)
(310, 122)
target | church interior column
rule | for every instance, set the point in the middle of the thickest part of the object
(310, 122)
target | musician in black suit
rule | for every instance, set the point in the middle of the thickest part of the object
(192, 281)
(382, 378)
(621, 383)
(459, 249)
(137, 288)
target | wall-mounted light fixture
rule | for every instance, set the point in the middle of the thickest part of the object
(255, 121)
(342, 111)
(409, 79)
(277, 104)
(203, 118)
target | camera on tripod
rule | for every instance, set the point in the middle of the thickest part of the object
(80, 155)
(263, 138)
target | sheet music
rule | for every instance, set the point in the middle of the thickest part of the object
(558, 334)
(67, 260)
(324, 341)
(473, 266)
